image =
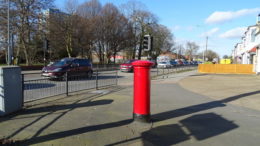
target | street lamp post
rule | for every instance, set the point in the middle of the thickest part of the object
(206, 56)
(8, 34)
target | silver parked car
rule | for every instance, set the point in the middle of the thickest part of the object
(164, 65)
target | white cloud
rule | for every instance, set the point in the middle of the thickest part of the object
(233, 33)
(190, 28)
(176, 28)
(224, 16)
(210, 32)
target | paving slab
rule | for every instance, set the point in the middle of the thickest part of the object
(220, 86)
(180, 116)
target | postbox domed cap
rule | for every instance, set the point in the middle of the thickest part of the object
(143, 63)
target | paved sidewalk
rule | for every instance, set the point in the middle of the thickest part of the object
(104, 117)
(245, 88)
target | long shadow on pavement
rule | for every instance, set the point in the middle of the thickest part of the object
(157, 117)
(52, 109)
(201, 126)
(67, 106)
(228, 125)
(77, 131)
(199, 107)
(32, 107)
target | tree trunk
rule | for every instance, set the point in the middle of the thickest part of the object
(114, 57)
(68, 45)
(133, 55)
(25, 52)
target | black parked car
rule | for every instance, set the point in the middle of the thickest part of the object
(73, 66)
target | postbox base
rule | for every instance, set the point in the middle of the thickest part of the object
(142, 118)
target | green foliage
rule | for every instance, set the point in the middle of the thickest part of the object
(208, 62)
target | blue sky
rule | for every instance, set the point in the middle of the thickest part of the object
(223, 21)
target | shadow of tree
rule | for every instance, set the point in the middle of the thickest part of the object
(53, 109)
(199, 107)
(67, 106)
(201, 126)
(72, 132)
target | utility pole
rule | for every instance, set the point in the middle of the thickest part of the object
(179, 51)
(8, 34)
(205, 54)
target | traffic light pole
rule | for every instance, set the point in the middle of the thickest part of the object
(44, 56)
(140, 48)
(45, 47)
(151, 47)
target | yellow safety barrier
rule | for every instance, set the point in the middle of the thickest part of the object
(226, 68)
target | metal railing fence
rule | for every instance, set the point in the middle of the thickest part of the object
(164, 72)
(37, 87)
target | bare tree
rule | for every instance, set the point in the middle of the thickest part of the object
(210, 55)
(113, 32)
(25, 23)
(179, 51)
(163, 39)
(69, 27)
(90, 14)
(130, 10)
(191, 49)
(143, 20)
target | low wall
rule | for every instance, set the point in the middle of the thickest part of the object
(226, 68)
(32, 67)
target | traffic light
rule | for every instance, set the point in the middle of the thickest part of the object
(147, 43)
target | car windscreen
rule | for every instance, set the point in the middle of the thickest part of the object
(130, 61)
(62, 63)
(162, 63)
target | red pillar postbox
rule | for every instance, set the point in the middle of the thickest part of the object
(142, 84)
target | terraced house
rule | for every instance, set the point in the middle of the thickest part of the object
(257, 63)
(247, 52)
